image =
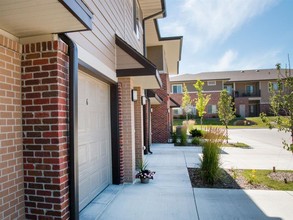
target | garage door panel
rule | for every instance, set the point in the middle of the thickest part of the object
(94, 138)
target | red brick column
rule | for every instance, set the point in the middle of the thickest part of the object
(11, 160)
(45, 127)
(120, 118)
(160, 117)
(127, 108)
(138, 118)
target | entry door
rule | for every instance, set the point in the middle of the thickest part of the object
(94, 145)
(242, 110)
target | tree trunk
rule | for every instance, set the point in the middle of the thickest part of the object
(200, 123)
(227, 133)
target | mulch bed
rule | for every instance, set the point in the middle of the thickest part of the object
(226, 181)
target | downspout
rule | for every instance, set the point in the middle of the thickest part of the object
(163, 11)
(143, 27)
(73, 120)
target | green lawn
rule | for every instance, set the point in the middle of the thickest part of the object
(257, 122)
(261, 177)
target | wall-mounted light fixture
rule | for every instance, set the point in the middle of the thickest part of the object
(133, 95)
(143, 100)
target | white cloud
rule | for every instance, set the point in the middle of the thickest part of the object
(226, 61)
(215, 20)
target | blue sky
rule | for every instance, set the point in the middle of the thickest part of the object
(221, 35)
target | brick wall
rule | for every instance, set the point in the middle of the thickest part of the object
(127, 108)
(242, 101)
(138, 118)
(45, 126)
(120, 118)
(160, 116)
(11, 159)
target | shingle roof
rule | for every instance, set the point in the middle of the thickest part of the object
(232, 76)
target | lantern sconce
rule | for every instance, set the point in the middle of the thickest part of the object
(143, 100)
(133, 95)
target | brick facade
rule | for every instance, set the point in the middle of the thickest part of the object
(45, 129)
(160, 116)
(11, 158)
(242, 101)
(120, 118)
(138, 115)
(127, 109)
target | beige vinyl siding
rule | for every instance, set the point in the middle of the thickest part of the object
(217, 87)
(155, 54)
(265, 94)
(109, 18)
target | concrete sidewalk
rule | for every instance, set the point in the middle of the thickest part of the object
(170, 195)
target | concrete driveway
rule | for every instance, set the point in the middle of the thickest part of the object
(266, 151)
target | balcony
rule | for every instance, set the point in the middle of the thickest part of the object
(247, 94)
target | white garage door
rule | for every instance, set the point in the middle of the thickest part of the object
(94, 145)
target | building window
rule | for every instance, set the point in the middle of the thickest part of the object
(249, 89)
(177, 88)
(212, 109)
(177, 111)
(212, 83)
(136, 18)
(275, 86)
(229, 89)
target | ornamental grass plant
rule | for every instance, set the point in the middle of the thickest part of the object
(210, 163)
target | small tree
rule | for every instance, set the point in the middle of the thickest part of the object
(201, 101)
(281, 100)
(226, 110)
(186, 101)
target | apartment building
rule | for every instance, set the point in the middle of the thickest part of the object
(75, 107)
(249, 89)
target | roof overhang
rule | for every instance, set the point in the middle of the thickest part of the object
(151, 7)
(130, 63)
(173, 103)
(32, 18)
(172, 46)
(153, 97)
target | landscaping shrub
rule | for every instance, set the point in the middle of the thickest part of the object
(196, 133)
(210, 164)
(174, 137)
(183, 139)
(196, 141)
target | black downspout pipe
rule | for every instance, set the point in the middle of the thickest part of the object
(73, 126)
(143, 27)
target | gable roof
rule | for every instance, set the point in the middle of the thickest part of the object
(231, 76)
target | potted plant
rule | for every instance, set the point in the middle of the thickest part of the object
(144, 174)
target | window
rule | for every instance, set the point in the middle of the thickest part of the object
(212, 109)
(177, 111)
(212, 83)
(177, 88)
(229, 89)
(249, 89)
(136, 18)
(275, 86)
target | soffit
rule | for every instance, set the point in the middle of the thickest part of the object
(150, 7)
(24, 18)
(172, 45)
(130, 63)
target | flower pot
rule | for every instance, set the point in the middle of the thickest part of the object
(144, 180)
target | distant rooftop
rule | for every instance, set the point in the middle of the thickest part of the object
(232, 76)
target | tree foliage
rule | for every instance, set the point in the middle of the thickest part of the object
(226, 110)
(281, 100)
(201, 101)
(186, 101)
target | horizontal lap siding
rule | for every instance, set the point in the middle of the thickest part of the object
(109, 18)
